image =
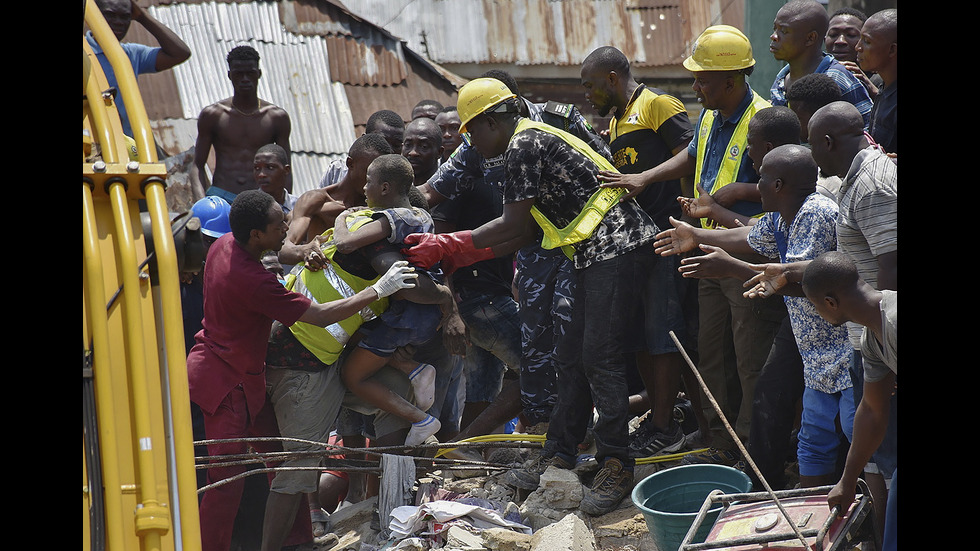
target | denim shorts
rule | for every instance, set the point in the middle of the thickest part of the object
(885, 458)
(818, 437)
(219, 192)
(669, 304)
(494, 328)
(404, 322)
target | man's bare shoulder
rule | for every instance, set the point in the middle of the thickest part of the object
(311, 201)
(272, 111)
(216, 109)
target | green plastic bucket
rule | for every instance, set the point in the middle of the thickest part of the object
(670, 500)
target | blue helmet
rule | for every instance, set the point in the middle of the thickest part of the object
(213, 212)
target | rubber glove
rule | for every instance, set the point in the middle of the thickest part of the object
(454, 250)
(399, 276)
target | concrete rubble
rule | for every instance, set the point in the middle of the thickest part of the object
(549, 513)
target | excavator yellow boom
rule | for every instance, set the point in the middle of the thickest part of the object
(138, 478)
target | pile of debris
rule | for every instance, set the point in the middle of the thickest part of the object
(475, 513)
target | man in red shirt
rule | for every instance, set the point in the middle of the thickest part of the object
(226, 366)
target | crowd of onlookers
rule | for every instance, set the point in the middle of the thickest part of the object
(439, 281)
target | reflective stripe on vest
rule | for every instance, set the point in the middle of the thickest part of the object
(732, 160)
(595, 208)
(323, 286)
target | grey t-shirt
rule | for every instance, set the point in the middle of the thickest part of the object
(880, 357)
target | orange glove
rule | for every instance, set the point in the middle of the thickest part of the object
(453, 250)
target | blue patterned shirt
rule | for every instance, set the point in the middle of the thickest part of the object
(851, 89)
(825, 349)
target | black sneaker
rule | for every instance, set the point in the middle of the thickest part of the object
(610, 486)
(659, 442)
(529, 475)
(643, 431)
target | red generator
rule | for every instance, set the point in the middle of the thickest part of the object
(754, 521)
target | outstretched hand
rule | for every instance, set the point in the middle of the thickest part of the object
(699, 207)
(715, 264)
(770, 279)
(425, 249)
(632, 183)
(455, 336)
(678, 240)
(859, 74)
(453, 250)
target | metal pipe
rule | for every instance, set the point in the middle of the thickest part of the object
(174, 364)
(152, 518)
(125, 81)
(97, 324)
(102, 128)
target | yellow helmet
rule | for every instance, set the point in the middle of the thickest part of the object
(478, 96)
(720, 48)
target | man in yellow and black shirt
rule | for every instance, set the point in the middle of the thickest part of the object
(649, 127)
(721, 62)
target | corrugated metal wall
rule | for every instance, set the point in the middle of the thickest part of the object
(314, 56)
(295, 76)
(652, 33)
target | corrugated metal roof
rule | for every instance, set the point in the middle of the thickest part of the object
(314, 56)
(295, 76)
(556, 32)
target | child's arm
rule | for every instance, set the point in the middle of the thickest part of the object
(347, 241)
(426, 291)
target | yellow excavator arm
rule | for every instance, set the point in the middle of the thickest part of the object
(138, 478)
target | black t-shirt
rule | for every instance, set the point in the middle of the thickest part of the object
(477, 204)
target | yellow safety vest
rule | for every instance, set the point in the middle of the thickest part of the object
(732, 159)
(326, 285)
(596, 207)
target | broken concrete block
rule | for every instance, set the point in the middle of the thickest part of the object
(622, 527)
(561, 487)
(569, 534)
(458, 537)
(464, 485)
(502, 539)
(536, 512)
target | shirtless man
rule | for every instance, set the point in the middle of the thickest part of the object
(236, 127)
(317, 209)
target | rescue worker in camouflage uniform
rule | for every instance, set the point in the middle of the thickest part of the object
(552, 178)
(545, 278)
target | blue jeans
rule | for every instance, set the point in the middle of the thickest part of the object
(817, 452)
(404, 322)
(890, 542)
(885, 457)
(494, 328)
(445, 408)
